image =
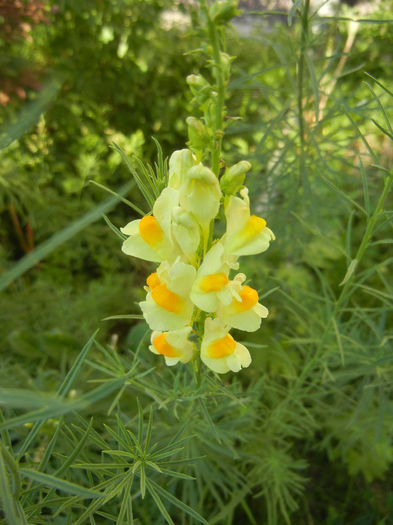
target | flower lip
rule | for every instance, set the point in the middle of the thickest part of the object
(166, 299)
(150, 230)
(253, 226)
(222, 347)
(153, 280)
(163, 347)
(213, 282)
(249, 298)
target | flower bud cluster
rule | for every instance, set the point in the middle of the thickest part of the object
(192, 301)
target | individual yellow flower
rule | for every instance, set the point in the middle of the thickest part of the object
(185, 230)
(150, 238)
(246, 234)
(200, 194)
(179, 163)
(244, 311)
(167, 305)
(219, 351)
(174, 346)
(211, 284)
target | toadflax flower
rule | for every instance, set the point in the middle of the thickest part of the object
(150, 238)
(219, 351)
(245, 234)
(174, 346)
(244, 312)
(185, 230)
(168, 305)
(200, 194)
(210, 287)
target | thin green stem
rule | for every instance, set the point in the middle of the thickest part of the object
(219, 106)
(301, 67)
(366, 238)
(343, 294)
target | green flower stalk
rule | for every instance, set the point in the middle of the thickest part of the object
(192, 299)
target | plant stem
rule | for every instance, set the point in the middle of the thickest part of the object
(366, 238)
(359, 255)
(303, 42)
(219, 106)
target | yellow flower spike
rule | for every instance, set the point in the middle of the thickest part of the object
(174, 345)
(167, 305)
(244, 312)
(211, 284)
(150, 238)
(246, 234)
(219, 351)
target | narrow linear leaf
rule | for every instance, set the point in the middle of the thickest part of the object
(159, 503)
(83, 402)
(122, 199)
(62, 391)
(123, 316)
(6, 496)
(60, 484)
(48, 246)
(175, 501)
(350, 270)
(114, 228)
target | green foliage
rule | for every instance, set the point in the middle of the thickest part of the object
(108, 433)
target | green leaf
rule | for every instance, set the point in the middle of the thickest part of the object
(158, 502)
(60, 409)
(351, 268)
(123, 316)
(60, 484)
(122, 199)
(175, 501)
(6, 496)
(62, 391)
(48, 246)
(114, 228)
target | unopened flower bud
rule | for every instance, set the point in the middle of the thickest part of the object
(225, 61)
(200, 194)
(233, 179)
(197, 133)
(197, 82)
(200, 87)
(222, 12)
(179, 163)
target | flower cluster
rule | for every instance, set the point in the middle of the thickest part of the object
(191, 296)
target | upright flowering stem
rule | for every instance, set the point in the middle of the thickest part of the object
(219, 106)
(301, 68)
(192, 301)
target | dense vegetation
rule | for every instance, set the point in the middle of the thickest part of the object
(305, 434)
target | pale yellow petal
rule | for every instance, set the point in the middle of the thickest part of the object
(137, 247)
